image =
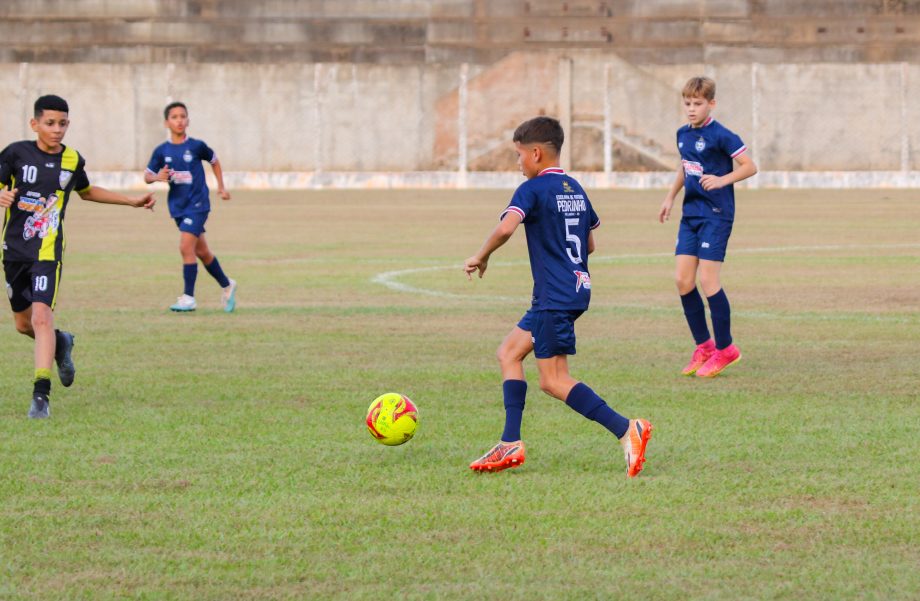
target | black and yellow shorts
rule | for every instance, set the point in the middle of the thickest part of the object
(30, 282)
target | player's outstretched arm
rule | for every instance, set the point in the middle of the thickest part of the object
(97, 194)
(665, 212)
(219, 176)
(745, 169)
(501, 234)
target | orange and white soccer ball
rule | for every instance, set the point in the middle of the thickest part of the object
(392, 419)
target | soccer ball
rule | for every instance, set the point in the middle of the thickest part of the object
(392, 419)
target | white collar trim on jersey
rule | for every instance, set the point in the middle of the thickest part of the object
(184, 140)
(556, 170)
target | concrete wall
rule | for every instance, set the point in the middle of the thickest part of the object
(379, 118)
(456, 31)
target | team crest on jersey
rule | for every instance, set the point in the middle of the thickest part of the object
(700, 145)
(187, 156)
(64, 178)
(567, 188)
(583, 280)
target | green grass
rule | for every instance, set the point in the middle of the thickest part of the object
(213, 456)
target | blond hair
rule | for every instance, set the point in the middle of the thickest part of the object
(703, 87)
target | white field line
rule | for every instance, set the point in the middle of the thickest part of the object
(390, 279)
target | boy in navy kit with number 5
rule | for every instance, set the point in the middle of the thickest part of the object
(707, 173)
(178, 162)
(559, 221)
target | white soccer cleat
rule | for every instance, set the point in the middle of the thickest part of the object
(228, 297)
(184, 304)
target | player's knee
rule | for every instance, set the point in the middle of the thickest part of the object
(24, 326)
(550, 386)
(41, 320)
(685, 283)
(505, 355)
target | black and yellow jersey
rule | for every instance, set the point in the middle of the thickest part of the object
(33, 227)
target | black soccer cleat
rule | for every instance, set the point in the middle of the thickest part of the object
(62, 356)
(41, 406)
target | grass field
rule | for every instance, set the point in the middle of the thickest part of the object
(221, 457)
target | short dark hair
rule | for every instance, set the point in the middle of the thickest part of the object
(173, 105)
(50, 102)
(540, 130)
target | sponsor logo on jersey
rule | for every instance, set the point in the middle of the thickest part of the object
(49, 165)
(42, 222)
(64, 178)
(168, 159)
(187, 156)
(181, 177)
(582, 279)
(700, 145)
(692, 168)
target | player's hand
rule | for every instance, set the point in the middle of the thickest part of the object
(475, 264)
(164, 174)
(711, 182)
(144, 202)
(7, 197)
(665, 212)
(223, 194)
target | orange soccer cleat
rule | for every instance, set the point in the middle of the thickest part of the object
(719, 361)
(634, 442)
(702, 354)
(501, 457)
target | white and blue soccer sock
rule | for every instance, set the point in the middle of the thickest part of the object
(514, 392)
(721, 319)
(217, 273)
(586, 402)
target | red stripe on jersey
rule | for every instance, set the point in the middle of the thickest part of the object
(739, 151)
(513, 210)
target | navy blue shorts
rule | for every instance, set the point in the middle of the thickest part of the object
(193, 224)
(30, 282)
(703, 238)
(552, 332)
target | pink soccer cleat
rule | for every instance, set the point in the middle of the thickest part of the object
(719, 361)
(700, 356)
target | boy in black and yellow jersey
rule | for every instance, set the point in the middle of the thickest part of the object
(37, 178)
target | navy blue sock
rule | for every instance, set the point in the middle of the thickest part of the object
(217, 273)
(515, 391)
(695, 312)
(585, 401)
(721, 319)
(189, 274)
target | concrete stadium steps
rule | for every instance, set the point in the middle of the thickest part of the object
(456, 31)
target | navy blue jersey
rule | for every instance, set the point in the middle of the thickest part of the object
(708, 149)
(188, 190)
(557, 218)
